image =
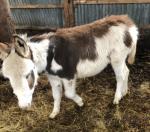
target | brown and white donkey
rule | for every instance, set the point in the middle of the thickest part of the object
(72, 53)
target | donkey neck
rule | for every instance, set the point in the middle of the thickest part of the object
(40, 52)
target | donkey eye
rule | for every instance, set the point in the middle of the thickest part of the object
(30, 78)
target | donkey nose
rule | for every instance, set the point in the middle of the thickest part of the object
(26, 107)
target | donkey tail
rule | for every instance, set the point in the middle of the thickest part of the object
(131, 56)
(134, 35)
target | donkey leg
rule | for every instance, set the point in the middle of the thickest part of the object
(121, 72)
(125, 83)
(70, 91)
(56, 85)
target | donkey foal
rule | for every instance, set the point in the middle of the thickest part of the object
(72, 53)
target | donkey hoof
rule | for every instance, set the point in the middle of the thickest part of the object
(53, 115)
(116, 101)
(124, 93)
(80, 104)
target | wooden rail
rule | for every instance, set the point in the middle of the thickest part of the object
(37, 6)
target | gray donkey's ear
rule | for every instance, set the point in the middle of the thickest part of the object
(20, 46)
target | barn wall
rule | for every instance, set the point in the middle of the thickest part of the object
(84, 13)
(40, 17)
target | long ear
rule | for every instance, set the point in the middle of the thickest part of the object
(23, 36)
(20, 46)
(4, 50)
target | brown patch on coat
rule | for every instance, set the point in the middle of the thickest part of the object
(127, 39)
(38, 38)
(78, 43)
(68, 51)
(99, 31)
(97, 28)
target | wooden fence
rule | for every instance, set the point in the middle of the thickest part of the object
(69, 6)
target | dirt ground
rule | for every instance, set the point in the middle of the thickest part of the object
(98, 114)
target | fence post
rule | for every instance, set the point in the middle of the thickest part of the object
(69, 14)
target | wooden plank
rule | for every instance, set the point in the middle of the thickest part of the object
(69, 15)
(66, 13)
(36, 6)
(110, 1)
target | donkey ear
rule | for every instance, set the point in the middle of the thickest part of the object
(20, 46)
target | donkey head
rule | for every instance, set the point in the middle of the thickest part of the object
(19, 68)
